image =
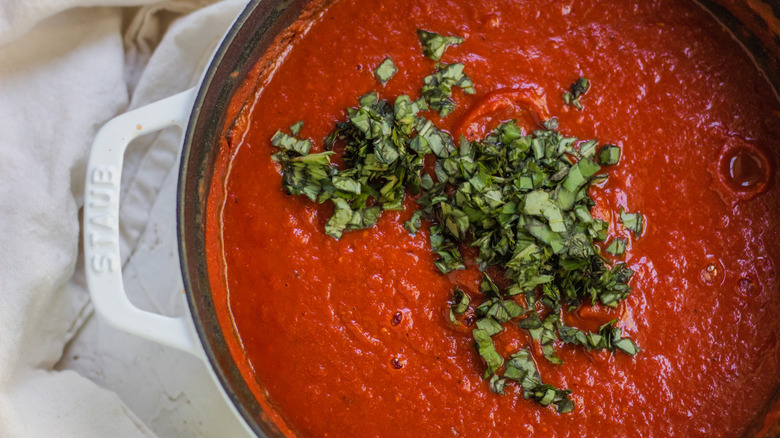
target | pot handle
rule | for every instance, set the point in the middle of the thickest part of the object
(101, 224)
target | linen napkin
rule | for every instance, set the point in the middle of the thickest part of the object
(66, 67)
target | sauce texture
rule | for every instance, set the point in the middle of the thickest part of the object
(352, 337)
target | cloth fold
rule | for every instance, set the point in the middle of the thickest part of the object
(66, 67)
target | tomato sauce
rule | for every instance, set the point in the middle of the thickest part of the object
(351, 337)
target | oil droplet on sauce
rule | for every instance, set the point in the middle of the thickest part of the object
(745, 169)
(745, 287)
(712, 274)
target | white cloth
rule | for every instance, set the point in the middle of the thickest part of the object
(65, 69)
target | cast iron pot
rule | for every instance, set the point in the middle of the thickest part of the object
(202, 113)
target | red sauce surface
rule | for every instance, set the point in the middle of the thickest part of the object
(351, 337)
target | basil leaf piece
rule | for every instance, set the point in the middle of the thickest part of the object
(497, 384)
(522, 369)
(455, 221)
(607, 338)
(538, 203)
(385, 71)
(490, 326)
(501, 310)
(632, 221)
(413, 224)
(487, 350)
(520, 366)
(437, 87)
(532, 322)
(345, 218)
(579, 174)
(460, 301)
(571, 335)
(609, 155)
(291, 143)
(577, 89)
(449, 256)
(307, 175)
(617, 247)
(551, 124)
(548, 338)
(588, 149)
(626, 346)
(295, 129)
(580, 87)
(434, 44)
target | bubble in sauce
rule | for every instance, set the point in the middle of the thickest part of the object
(746, 287)
(742, 171)
(396, 363)
(746, 169)
(397, 318)
(713, 272)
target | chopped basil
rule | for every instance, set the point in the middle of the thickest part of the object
(379, 165)
(580, 174)
(571, 335)
(626, 346)
(533, 324)
(486, 349)
(385, 71)
(522, 369)
(497, 384)
(617, 247)
(434, 44)
(291, 143)
(460, 301)
(588, 149)
(307, 175)
(609, 155)
(547, 339)
(490, 325)
(295, 129)
(437, 87)
(413, 224)
(519, 199)
(546, 394)
(632, 221)
(577, 89)
(500, 310)
(346, 219)
(449, 256)
(607, 338)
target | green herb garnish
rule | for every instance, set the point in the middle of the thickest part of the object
(487, 350)
(290, 142)
(385, 71)
(520, 198)
(617, 246)
(609, 155)
(295, 129)
(608, 338)
(521, 368)
(434, 44)
(437, 88)
(577, 89)
(460, 303)
(632, 221)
